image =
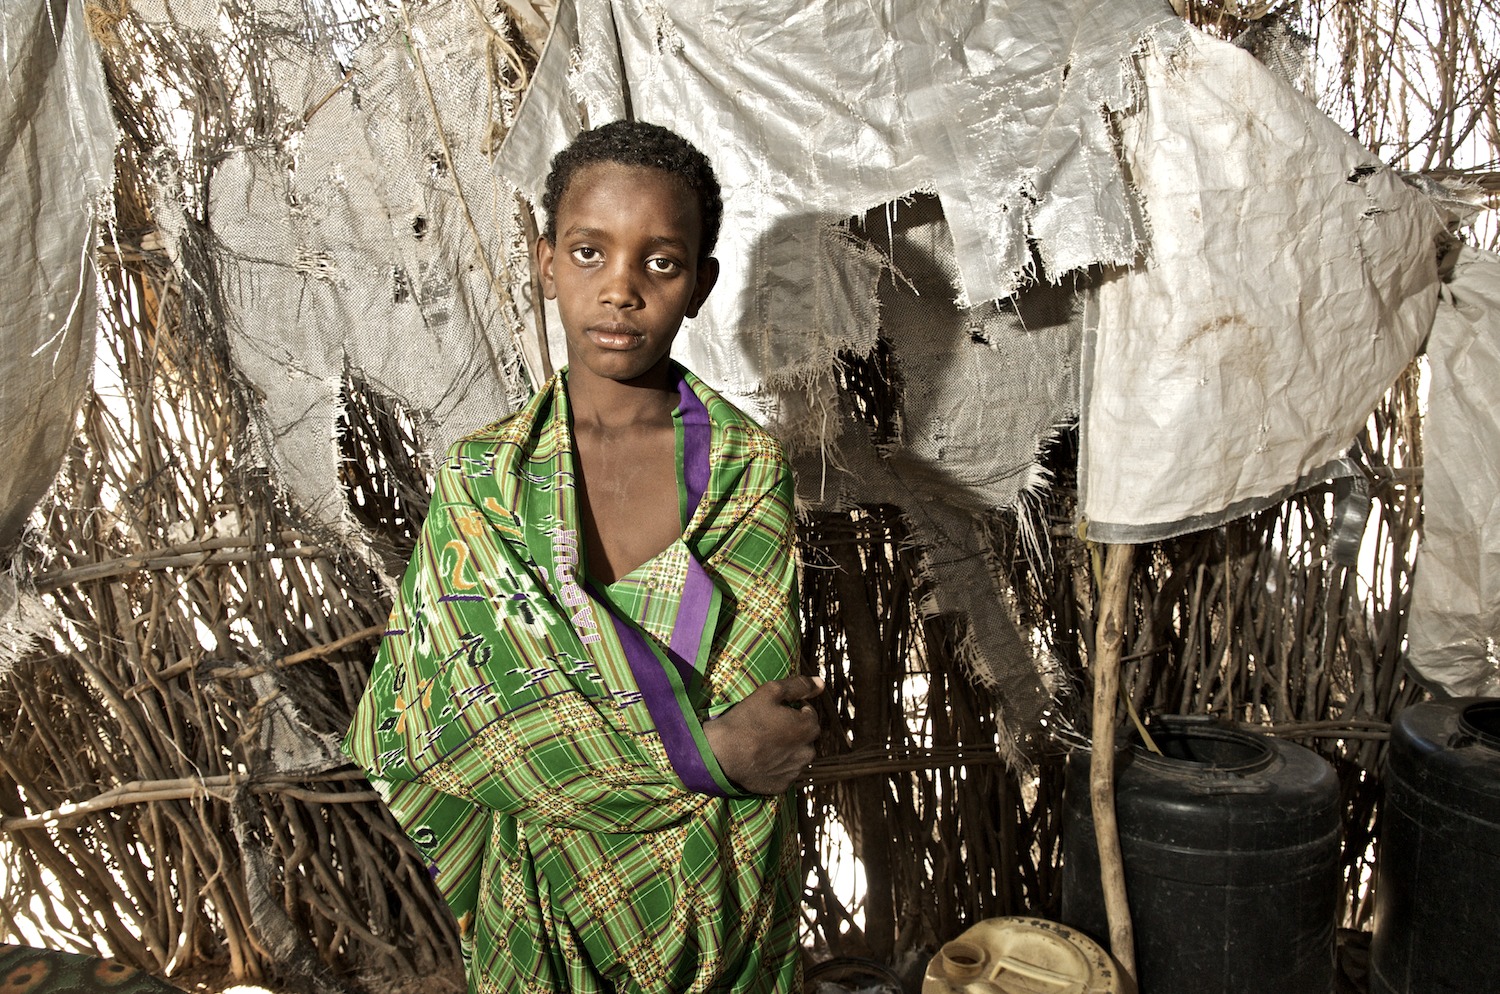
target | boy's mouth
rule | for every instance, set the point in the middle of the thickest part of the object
(614, 335)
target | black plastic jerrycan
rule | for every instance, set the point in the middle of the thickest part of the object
(1437, 878)
(1230, 840)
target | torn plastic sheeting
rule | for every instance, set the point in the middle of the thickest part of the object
(354, 257)
(818, 112)
(980, 390)
(1291, 278)
(1453, 633)
(57, 142)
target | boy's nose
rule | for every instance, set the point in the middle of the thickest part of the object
(619, 288)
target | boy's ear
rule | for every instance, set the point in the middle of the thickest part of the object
(545, 254)
(708, 275)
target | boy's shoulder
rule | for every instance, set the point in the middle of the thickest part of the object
(487, 456)
(735, 428)
(736, 433)
(514, 428)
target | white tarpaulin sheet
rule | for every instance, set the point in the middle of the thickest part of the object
(363, 251)
(1266, 279)
(1290, 279)
(1454, 628)
(1287, 279)
(816, 112)
(57, 141)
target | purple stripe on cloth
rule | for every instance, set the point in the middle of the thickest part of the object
(698, 588)
(666, 713)
(697, 438)
(692, 612)
(686, 671)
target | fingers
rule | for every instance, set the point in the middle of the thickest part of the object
(766, 741)
(797, 688)
(787, 697)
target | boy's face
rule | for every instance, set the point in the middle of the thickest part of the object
(625, 270)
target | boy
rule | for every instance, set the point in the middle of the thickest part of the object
(580, 711)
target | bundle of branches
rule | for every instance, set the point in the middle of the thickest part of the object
(911, 782)
(173, 793)
(173, 787)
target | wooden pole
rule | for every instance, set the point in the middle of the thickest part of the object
(1110, 637)
(869, 682)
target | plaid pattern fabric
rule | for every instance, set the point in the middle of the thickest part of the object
(517, 746)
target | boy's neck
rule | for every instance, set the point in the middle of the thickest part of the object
(597, 402)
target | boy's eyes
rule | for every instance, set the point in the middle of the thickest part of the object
(660, 265)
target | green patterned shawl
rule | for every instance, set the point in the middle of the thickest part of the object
(540, 736)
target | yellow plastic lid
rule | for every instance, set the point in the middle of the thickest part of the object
(1019, 955)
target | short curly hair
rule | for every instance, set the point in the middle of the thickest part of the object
(638, 143)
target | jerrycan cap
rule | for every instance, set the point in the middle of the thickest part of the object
(1021, 955)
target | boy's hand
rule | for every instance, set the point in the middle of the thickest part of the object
(766, 740)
